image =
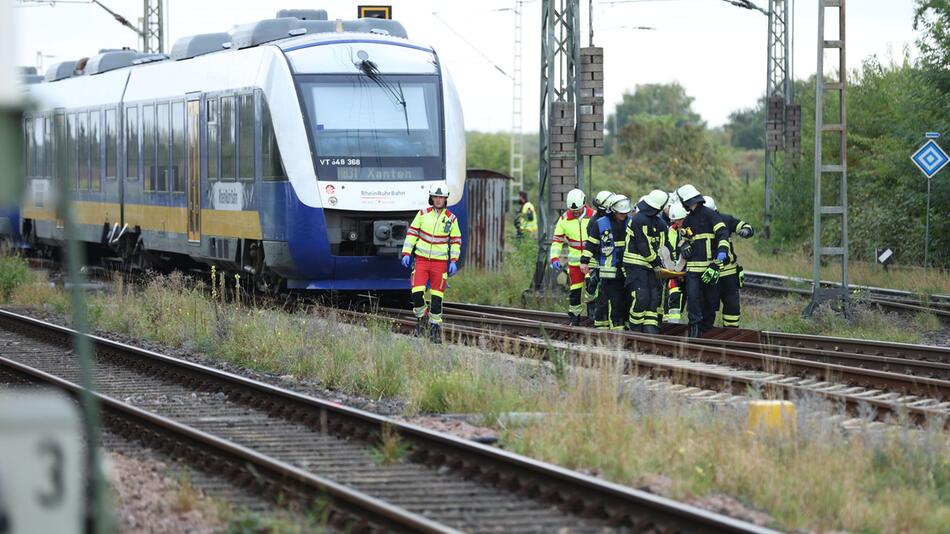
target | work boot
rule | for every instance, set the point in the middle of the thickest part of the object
(574, 320)
(420, 327)
(634, 328)
(693, 331)
(650, 329)
(435, 334)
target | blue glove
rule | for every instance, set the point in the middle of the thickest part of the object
(556, 264)
(453, 268)
(406, 260)
(721, 257)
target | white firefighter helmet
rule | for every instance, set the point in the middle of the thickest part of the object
(439, 189)
(619, 204)
(677, 212)
(710, 203)
(601, 200)
(656, 199)
(689, 195)
(674, 199)
(575, 199)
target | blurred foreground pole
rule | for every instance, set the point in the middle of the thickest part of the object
(11, 109)
(10, 112)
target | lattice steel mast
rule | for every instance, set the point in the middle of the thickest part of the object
(837, 127)
(516, 152)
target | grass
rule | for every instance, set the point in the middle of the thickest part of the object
(783, 314)
(914, 279)
(391, 449)
(600, 421)
(817, 479)
(13, 273)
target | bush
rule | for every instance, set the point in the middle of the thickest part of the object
(13, 273)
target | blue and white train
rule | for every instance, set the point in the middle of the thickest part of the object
(296, 149)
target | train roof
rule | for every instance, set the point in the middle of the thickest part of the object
(291, 29)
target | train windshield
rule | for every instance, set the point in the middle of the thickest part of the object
(375, 127)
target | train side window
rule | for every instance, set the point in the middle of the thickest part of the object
(214, 146)
(28, 147)
(132, 142)
(39, 136)
(72, 156)
(95, 152)
(246, 137)
(161, 141)
(148, 147)
(110, 141)
(228, 157)
(272, 167)
(59, 124)
(49, 168)
(83, 127)
(177, 170)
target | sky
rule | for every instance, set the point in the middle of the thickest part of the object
(716, 51)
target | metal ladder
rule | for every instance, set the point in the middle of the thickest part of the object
(838, 168)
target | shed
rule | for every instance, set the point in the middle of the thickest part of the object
(485, 202)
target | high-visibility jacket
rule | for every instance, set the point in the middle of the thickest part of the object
(646, 234)
(435, 235)
(707, 235)
(605, 244)
(528, 218)
(571, 231)
(733, 225)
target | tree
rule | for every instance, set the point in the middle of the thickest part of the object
(932, 18)
(746, 127)
(657, 100)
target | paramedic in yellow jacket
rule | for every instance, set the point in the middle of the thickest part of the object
(435, 239)
(571, 232)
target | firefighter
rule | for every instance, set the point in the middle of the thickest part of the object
(526, 219)
(731, 277)
(597, 304)
(646, 234)
(708, 249)
(571, 232)
(674, 297)
(606, 243)
(435, 239)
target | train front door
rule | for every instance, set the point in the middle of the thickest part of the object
(193, 172)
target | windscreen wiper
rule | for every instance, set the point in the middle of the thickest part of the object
(371, 71)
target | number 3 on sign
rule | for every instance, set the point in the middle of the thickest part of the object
(41, 488)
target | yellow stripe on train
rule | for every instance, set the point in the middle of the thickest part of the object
(173, 219)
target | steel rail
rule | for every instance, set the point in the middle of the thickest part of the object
(779, 342)
(366, 513)
(572, 491)
(544, 339)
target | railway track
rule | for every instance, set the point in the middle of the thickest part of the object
(892, 299)
(727, 365)
(302, 448)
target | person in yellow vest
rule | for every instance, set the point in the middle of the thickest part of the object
(571, 232)
(674, 301)
(526, 221)
(435, 239)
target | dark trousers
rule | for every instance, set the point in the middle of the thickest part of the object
(729, 295)
(702, 301)
(601, 306)
(617, 302)
(644, 289)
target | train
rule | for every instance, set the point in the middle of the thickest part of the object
(294, 150)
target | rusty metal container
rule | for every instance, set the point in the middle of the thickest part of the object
(485, 201)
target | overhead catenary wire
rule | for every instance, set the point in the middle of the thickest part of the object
(469, 43)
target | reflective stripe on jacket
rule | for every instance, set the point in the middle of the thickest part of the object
(606, 242)
(646, 233)
(707, 235)
(571, 231)
(435, 235)
(733, 225)
(528, 220)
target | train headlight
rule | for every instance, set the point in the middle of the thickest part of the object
(353, 235)
(388, 236)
